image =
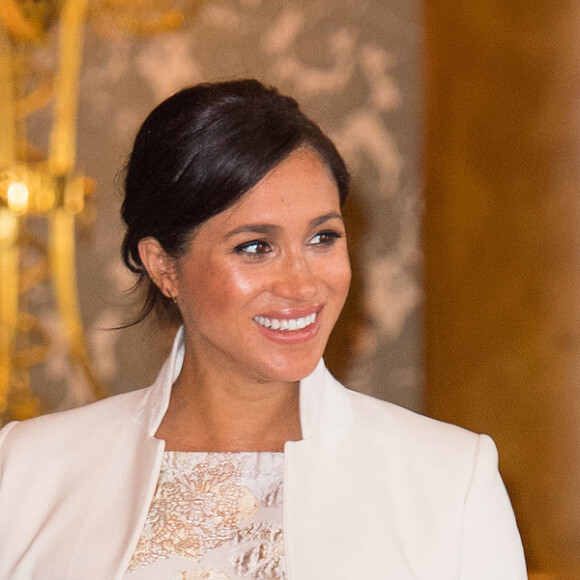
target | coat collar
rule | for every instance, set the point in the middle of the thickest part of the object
(325, 408)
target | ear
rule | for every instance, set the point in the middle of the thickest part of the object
(159, 265)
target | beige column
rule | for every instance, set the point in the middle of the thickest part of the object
(502, 251)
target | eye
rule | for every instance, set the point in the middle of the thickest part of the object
(253, 248)
(326, 238)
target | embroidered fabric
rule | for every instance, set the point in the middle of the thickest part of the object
(214, 516)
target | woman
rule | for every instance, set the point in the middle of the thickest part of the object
(246, 459)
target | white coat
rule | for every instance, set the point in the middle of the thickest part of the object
(372, 491)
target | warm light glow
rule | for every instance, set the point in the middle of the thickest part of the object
(17, 196)
(8, 227)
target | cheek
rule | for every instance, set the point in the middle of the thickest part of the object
(242, 282)
(339, 275)
(217, 288)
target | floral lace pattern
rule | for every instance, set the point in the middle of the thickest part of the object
(214, 516)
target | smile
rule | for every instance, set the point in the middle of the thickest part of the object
(287, 324)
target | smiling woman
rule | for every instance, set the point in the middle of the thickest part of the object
(278, 254)
(260, 287)
(246, 458)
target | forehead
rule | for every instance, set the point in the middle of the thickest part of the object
(290, 197)
(300, 185)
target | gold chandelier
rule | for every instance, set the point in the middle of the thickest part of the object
(43, 185)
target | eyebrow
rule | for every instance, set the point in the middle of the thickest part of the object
(269, 229)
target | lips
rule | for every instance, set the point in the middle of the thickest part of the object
(286, 324)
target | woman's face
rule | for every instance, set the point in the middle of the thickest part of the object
(262, 283)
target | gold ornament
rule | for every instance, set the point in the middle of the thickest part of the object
(43, 187)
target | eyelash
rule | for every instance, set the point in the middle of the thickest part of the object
(330, 235)
(243, 248)
(330, 238)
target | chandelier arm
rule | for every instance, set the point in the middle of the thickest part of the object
(62, 150)
(62, 263)
(9, 263)
(17, 24)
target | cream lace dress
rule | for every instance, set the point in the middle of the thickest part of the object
(214, 516)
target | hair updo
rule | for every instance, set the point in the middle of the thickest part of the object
(198, 153)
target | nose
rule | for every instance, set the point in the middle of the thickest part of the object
(295, 278)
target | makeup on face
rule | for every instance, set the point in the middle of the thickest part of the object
(262, 283)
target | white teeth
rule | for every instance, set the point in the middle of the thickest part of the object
(287, 324)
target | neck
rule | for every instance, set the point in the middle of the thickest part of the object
(216, 410)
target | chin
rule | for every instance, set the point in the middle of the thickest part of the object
(292, 373)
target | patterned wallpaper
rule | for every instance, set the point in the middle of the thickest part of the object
(354, 67)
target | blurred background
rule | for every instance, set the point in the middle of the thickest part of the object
(460, 123)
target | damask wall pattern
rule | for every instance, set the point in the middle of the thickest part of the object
(354, 67)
